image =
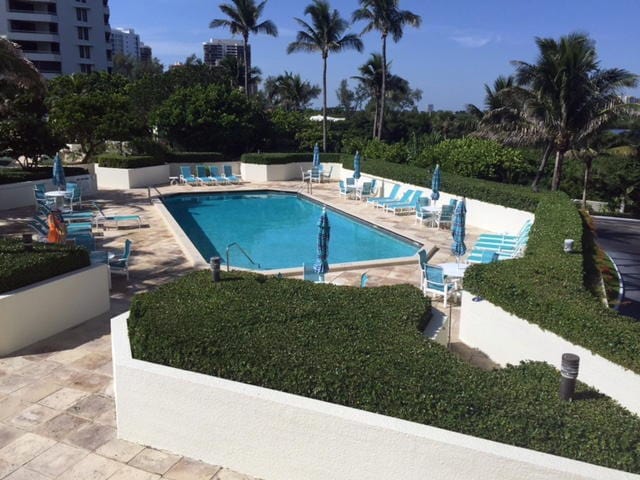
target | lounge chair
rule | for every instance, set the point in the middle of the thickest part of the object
(392, 196)
(187, 177)
(202, 176)
(407, 207)
(406, 196)
(434, 282)
(445, 217)
(365, 192)
(524, 230)
(120, 263)
(216, 177)
(45, 210)
(482, 256)
(228, 174)
(74, 227)
(42, 230)
(102, 218)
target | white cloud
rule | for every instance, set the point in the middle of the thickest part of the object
(471, 41)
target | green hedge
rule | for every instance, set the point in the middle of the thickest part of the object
(15, 175)
(195, 157)
(284, 158)
(514, 196)
(546, 287)
(19, 268)
(120, 161)
(362, 348)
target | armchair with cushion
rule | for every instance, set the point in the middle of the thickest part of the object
(434, 282)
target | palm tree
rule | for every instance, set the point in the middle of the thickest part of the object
(234, 71)
(324, 35)
(243, 20)
(290, 92)
(16, 69)
(385, 17)
(493, 97)
(570, 96)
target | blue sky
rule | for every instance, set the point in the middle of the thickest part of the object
(461, 45)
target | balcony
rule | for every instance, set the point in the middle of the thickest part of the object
(27, 35)
(32, 16)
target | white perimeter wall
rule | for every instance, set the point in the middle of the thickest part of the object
(509, 339)
(16, 195)
(124, 178)
(279, 436)
(487, 216)
(278, 173)
(38, 311)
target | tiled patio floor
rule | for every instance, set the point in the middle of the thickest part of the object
(57, 414)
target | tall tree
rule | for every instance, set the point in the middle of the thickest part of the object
(16, 70)
(290, 92)
(243, 19)
(233, 69)
(324, 35)
(386, 17)
(346, 96)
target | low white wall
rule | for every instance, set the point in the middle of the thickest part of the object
(279, 436)
(509, 339)
(124, 178)
(16, 195)
(38, 311)
(282, 173)
(487, 216)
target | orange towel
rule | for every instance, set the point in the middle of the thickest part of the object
(57, 228)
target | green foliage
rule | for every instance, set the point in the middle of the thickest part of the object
(362, 348)
(395, 153)
(121, 161)
(195, 157)
(15, 175)
(284, 158)
(546, 287)
(19, 267)
(513, 196)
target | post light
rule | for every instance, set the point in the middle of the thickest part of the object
(215, 269)
(569, 374)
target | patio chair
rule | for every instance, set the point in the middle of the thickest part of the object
(364, 278)
(306, 174)
(422, 213)
(316, 175)
(202, 176)
(434, 283)
(120, 263)
(392, 196)
(216, 177)
(406, 196)
(453, 202)
(41, 198)
(74, 194)
(364, 192)
(342, 189)
(228, 174)
(445, 217)
(187, 177)
(326, 176)
(423, 259)
(407, 207)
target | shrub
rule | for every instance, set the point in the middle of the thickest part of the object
(195, 157)
(514, 196)
(362, 348)
(120, 161)
(546, 287)
(15, 175)
(19, 268)
(284, 158)
(395, 153)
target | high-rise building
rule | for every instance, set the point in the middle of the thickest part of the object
(60, 36)
(216, 50)
(125, 41)
(146, 54)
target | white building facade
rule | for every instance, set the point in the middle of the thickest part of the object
(126, 41)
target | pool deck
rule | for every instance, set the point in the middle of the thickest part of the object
(57, 413)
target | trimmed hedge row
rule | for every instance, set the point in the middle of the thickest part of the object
(194, 157)
(362, 348)
(121, 161)
(514, 196)
(16, 175)
(19, 268)
(546, 287)
(284, 158)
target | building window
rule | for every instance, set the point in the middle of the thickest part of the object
(83, 33)
(81, 1)
(86, 67)
(85, 51)
(48, 67)
(81, 14)
(106, 19)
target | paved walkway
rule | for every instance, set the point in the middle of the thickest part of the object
(57, 414)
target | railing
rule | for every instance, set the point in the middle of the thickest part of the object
(235, 244)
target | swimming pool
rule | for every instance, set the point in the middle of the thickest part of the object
(277, 230)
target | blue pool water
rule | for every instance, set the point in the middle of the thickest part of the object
(277, 230)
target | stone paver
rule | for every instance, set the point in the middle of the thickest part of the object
(56, 396)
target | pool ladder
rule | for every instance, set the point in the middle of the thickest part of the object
(237, 245)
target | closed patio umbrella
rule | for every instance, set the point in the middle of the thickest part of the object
(356, 166)
(435, 184)
(316, 156)
(322, 265)
(458, 248)
(58, 173)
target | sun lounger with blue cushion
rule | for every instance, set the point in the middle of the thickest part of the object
(216, 177)
(406, 207)
(392, 196)
(187, 177)
(526, 228)
(201, 175)
(406, 196)
(102, 218)
(228, 174)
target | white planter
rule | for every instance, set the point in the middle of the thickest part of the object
(16, 195)
(509, 339)
(279, 436)
(125, 178)
(283, 173)
(38, 311)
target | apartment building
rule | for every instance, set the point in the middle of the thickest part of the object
(60, 36)
(126, 42)
(216, 50)
(146, 53)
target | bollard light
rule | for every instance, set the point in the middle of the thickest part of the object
(568, 245)
(215, 269)
(27, 241)
(568, 373)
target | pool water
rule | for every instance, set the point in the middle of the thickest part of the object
(277, 230)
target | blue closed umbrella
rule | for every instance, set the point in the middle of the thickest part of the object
(58, 173)
(316, 156)
(435, 184)
(322, 265)
(356, 166)
(458, 248)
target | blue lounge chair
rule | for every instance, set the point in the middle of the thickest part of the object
(406, 207)
(216, 177)
(102, 218)
(75, 227)
(187, 177)
(120, 263)
(524, 230)
(434, 282)
(406, 196)
(392, 196)
(44, 210)
(482, 256)
(202, 175)
(228, 174)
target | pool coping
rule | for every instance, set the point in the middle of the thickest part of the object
(198, 261)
